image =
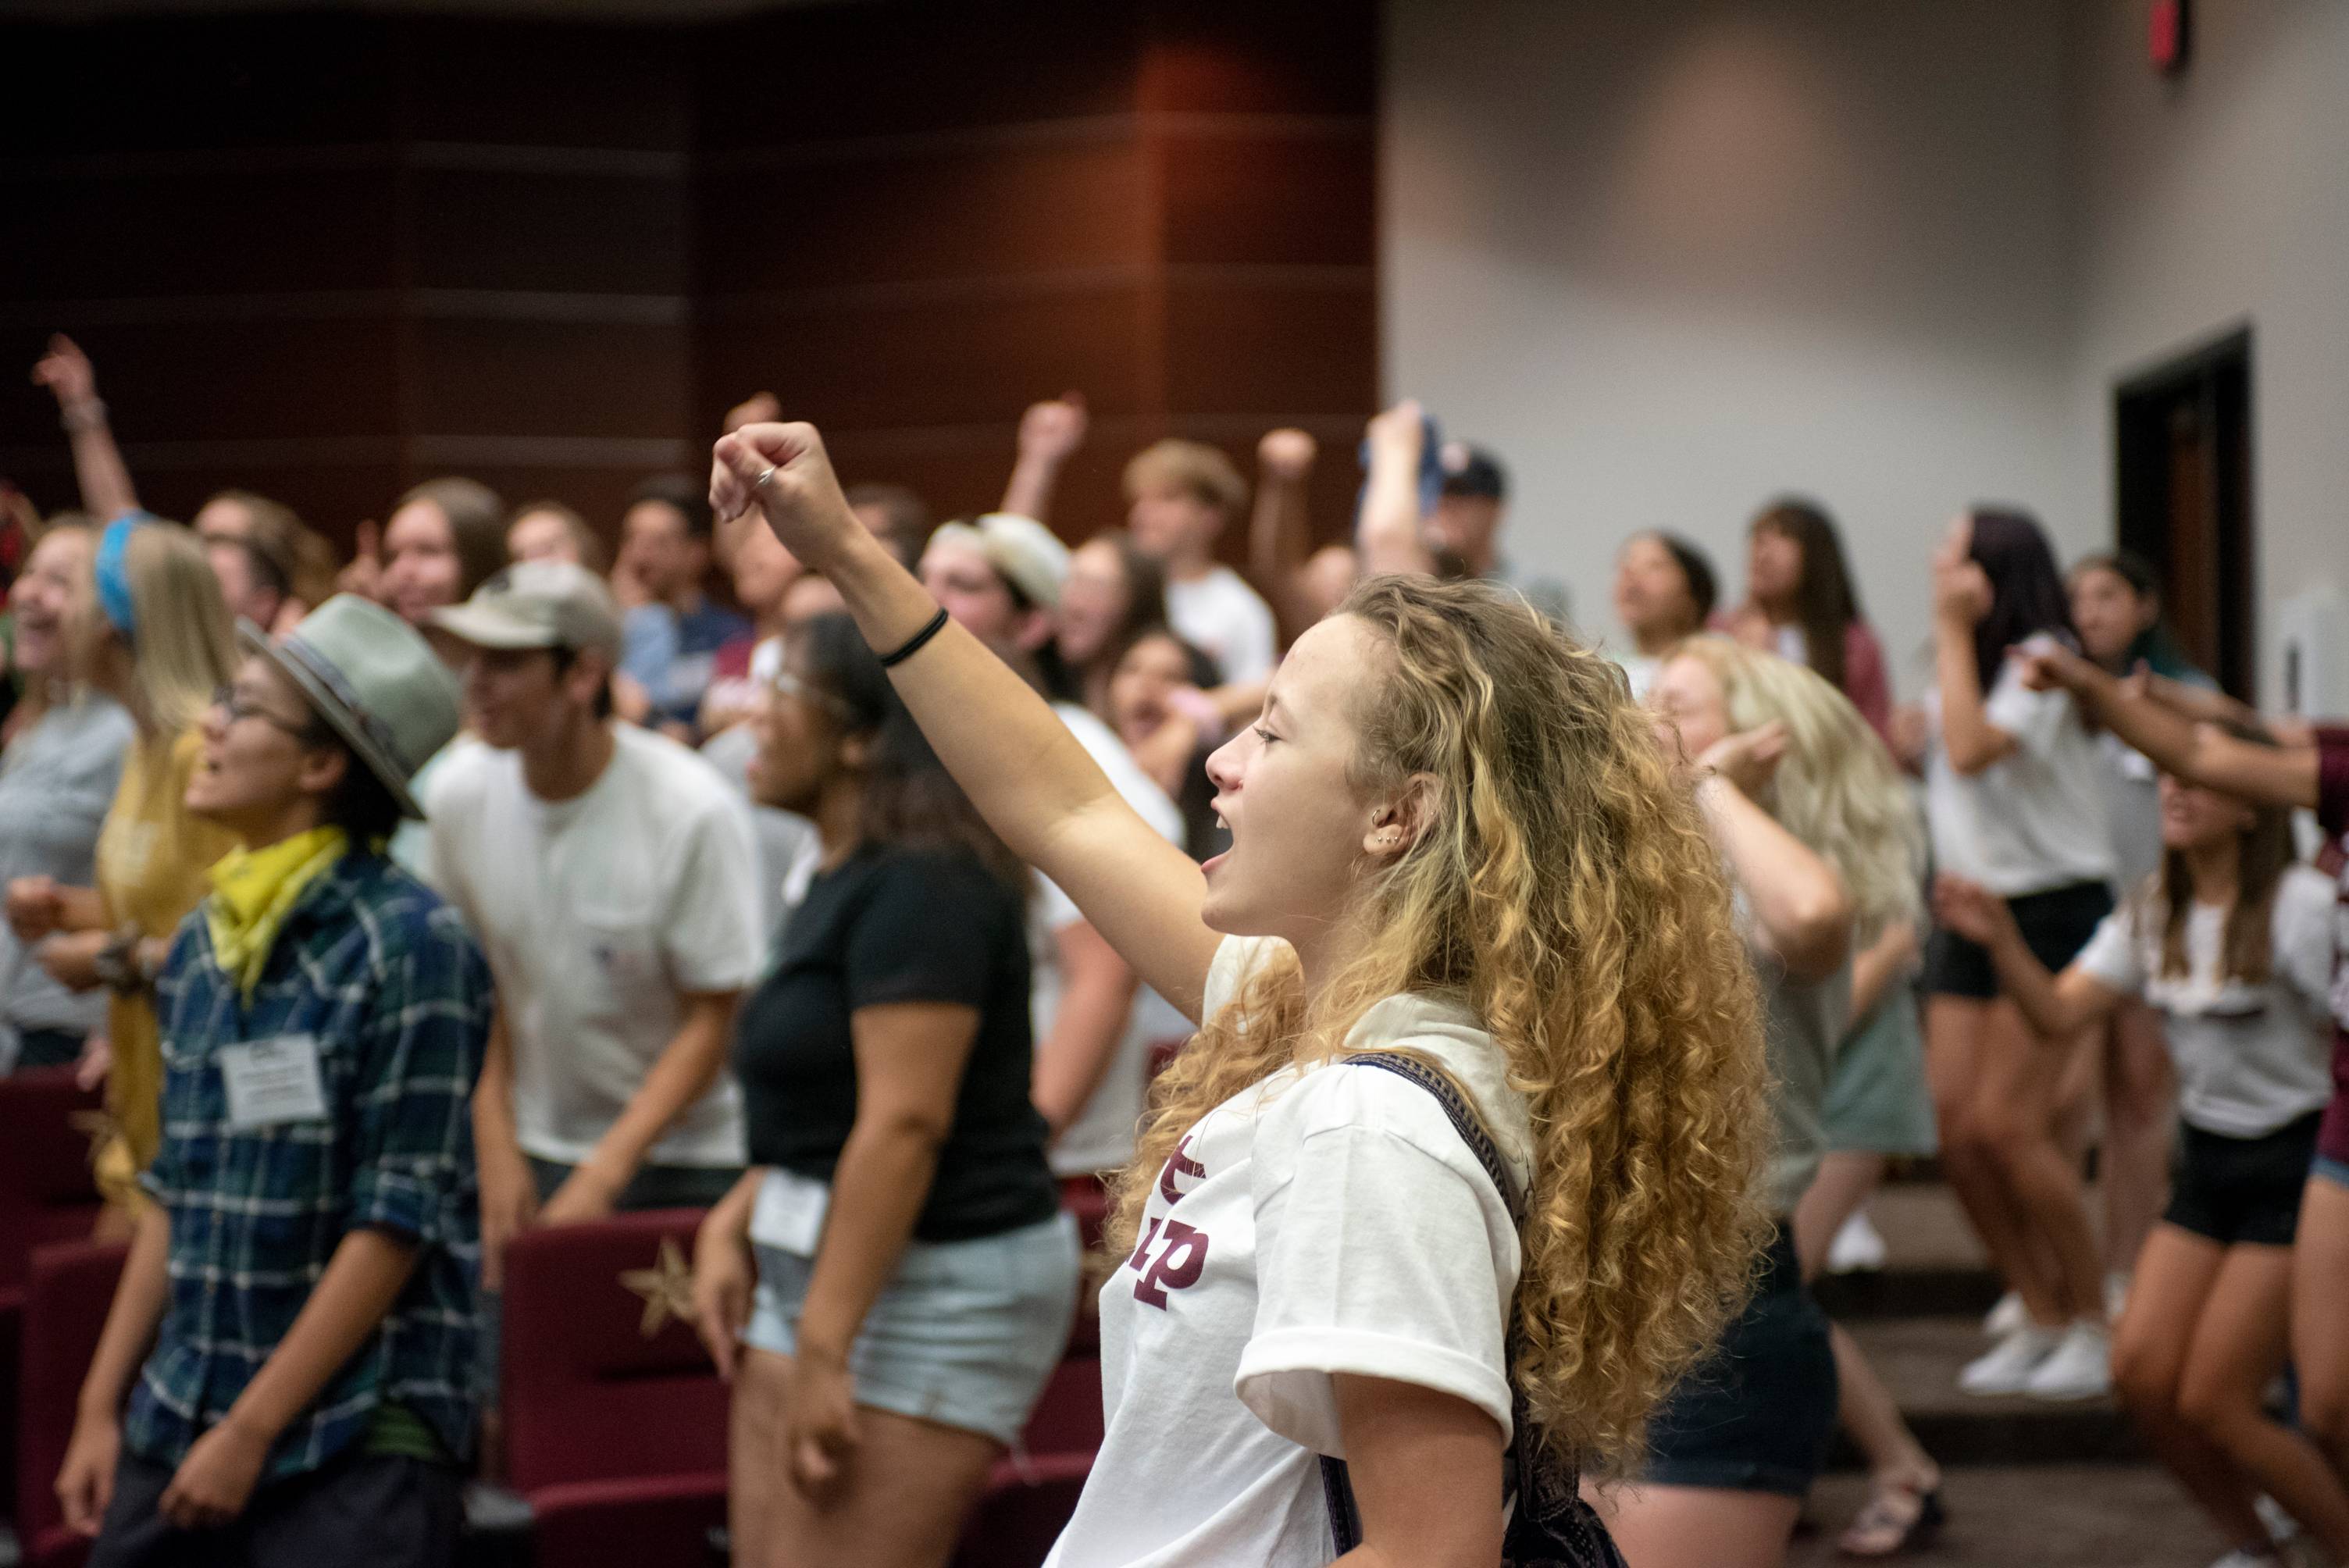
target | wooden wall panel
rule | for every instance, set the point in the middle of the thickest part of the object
(330, 254)
(868, 214)
(521, 230)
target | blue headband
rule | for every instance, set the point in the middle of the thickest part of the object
(113, 573)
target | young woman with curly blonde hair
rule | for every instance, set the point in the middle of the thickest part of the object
(1831, 787)
(1455, 849)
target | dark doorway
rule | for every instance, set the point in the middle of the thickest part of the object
(2183, 446)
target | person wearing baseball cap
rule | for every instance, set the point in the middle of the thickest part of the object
(324, 1016)
(611, 875)
(1471, 510)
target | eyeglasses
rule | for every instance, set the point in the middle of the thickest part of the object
(236, 706)
(790, 685)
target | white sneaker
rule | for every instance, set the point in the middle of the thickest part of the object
(2117, 1289)
(2006, 1318)
(2008, 1367)
(2240, 1558)
(1857, 1247)
(2081, 1367)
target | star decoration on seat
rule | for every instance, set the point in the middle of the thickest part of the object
(666, 1288)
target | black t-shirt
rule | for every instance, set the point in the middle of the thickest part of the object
(894, 924)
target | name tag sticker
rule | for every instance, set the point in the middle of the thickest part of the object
(788, 1213)
(273, 1082)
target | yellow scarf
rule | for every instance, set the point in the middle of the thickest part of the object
(254, 889)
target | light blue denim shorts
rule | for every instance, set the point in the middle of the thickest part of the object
(965, 1334)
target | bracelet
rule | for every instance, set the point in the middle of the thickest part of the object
(78, 417)
(117, 963)
(914, 644)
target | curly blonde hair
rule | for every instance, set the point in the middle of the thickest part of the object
(1835, 788)
(1563, 888)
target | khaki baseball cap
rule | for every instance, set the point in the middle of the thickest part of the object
(537, 604)
(1027, 556)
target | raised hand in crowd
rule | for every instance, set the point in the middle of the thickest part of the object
(1051, 432)
(1280, 533)
(364, 576)
(107, 491)
(1390, 534)
(1748, 759)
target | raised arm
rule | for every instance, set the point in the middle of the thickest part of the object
(2199, 754)
(1801, 912)
(1961, 600)
(1280, 527)
(1389, 532)
(1049, 434)
(1028, 777)
(106, 488)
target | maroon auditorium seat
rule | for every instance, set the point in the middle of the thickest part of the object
(47, 1191)
(616, 1436)
(47, 1194)
(71, 1286)
(1023, 1512)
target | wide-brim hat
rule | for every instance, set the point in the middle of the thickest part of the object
(375, 682)
(1023, 551)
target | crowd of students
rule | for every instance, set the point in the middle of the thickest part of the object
(1552, 1009)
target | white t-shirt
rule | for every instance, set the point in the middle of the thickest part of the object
(1326, 1219)
(596, 914)
(1101, 1137)
(2034, 819)
(2251, 1059)
(1641, 670)
(1224, 618)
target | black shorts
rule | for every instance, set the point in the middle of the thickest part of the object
(2055, 926)
(2242, 1191)
(1757, 1414)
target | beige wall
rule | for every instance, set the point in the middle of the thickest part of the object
(2216, 200)
(1669, 259)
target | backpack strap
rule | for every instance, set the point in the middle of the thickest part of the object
(1548, 1522)
(1337, 1486)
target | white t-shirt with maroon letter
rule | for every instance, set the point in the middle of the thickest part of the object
(1327, 1220)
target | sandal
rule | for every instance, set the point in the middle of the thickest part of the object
(1886, 1528)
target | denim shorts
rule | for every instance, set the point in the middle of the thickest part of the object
(965, 1334)
(2334, 1171)
(1758, 1413)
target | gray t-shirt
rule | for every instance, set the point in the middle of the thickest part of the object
(1803, 1021)
(2251, 1058)
(56, 780)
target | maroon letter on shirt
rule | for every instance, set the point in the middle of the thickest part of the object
(1185, 1255)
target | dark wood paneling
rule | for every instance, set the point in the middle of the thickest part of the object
(1246, 342)
(786, 220)
(1302, 196)
(220, 225)
(330, 254)
(550, 378)
(832, 71)
(1286, 57)
(944, 361)
(201, 380)
(284, 80)
(537, 84)
(557, 231)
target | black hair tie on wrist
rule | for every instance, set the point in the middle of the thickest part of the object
(914, 644)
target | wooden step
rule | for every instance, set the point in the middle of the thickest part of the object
(1919, 1359)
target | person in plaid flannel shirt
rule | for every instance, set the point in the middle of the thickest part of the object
(295, 1328)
